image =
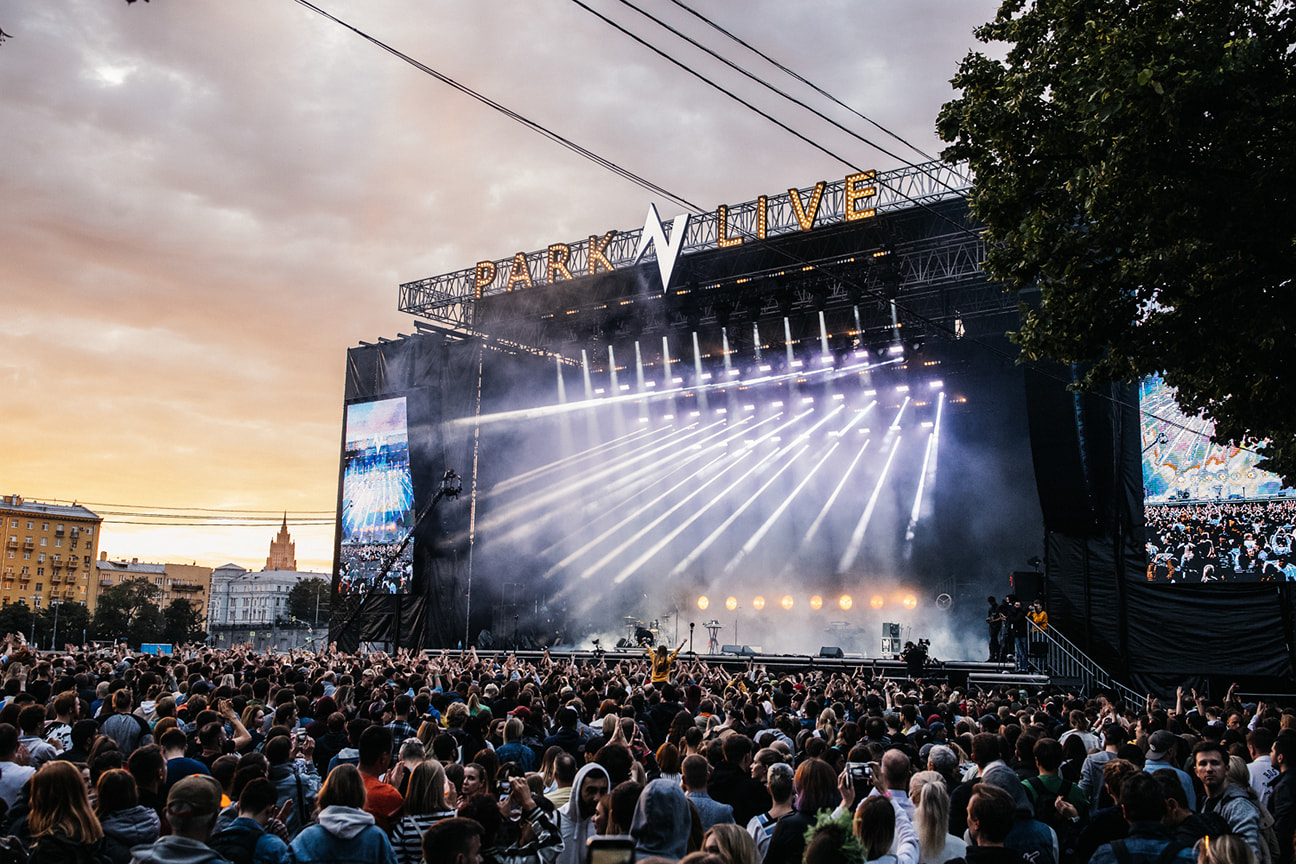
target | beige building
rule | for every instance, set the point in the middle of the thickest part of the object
(48, 552)
(177, 581)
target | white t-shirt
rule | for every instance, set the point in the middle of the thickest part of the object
(1262, 771)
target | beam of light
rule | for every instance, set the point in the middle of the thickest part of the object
(620, 547)
(569, 489)
(585, 370)
(639, 376)
(519, 415)
(836, 493)
(759, 533)
(666, 365)
(823, 335)
(641, 444)
(787, 340)
(895, 424)
(665, 541)
(724, 343)
(648, 506)
(526, 476)
(756, 339)
(691, 558)
(857, 536)
(562, 388)
(927, 478)
(697, 373)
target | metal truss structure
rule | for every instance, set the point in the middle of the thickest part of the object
(915, 262)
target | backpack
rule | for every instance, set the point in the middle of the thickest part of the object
(1068, 832)
(235, 844)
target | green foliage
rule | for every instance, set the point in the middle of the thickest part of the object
(181, 623)
(72, 621)
(1133, 162)
(16, 618)
(129, 611)
(302, 599)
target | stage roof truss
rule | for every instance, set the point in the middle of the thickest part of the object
(449, 298)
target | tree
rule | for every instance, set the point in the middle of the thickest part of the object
(16, 618)
(129, 611)
(1133, 161)
(303, 600)
(181, 623)
(72, 620)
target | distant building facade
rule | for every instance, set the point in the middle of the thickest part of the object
(252, 606)
(48, 552)
(283, 552)
(177, 581)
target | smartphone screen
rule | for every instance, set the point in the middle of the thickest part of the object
(610, 849)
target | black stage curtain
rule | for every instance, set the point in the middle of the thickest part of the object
(438, 379)
(1088, 460)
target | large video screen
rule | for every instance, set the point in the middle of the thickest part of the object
(1212, 515)
(377, 499)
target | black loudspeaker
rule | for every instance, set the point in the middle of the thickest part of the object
(831, 651)
(1028, 585)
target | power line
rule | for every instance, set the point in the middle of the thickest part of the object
(300, 524)
(771, 118)
(510, 113)
(822, 92)
(684, 202)
(768, 86)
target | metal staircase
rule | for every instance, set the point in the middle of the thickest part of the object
(1063, 661)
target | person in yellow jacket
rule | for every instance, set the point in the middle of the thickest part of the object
(663, 663)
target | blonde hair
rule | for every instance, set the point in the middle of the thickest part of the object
(1225, 849)
(60, 805)
(736, 845)
(931, 811)
(426, 790)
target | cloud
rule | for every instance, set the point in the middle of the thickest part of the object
(206, 204)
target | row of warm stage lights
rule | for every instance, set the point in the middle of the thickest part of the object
(845, 602)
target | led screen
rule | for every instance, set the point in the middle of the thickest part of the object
(1212, 515)
(377, 499)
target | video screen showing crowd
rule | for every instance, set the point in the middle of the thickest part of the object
(377, 500)
(1243, 541)
(1211, 514)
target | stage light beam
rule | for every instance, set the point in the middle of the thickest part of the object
(758, 602)
(703, 602)
(857, 537)
(845, 602)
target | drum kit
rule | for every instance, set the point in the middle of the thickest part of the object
(644, 634)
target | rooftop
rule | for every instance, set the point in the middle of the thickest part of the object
(17, 504)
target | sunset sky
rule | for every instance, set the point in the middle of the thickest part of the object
(206, 203)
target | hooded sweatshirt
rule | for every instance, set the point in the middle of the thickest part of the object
(127, 828)
(661, 821)
(1029, 836)
(344, 835)
(572, 827)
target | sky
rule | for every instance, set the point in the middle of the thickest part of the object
(206, 203)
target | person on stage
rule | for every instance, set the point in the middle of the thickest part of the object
(995, 618)
(663, 664)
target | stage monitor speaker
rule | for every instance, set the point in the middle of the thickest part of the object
(831, 651)
(732, 649)
(1028, 585)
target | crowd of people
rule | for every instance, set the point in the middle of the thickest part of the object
(1243, 541)
(205, 756)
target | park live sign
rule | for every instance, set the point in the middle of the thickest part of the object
(846, 200)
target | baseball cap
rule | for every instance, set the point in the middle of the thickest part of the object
(1160, 742)
(194, 795)
(521, 711)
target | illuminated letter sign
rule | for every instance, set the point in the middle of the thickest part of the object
(654, 233)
